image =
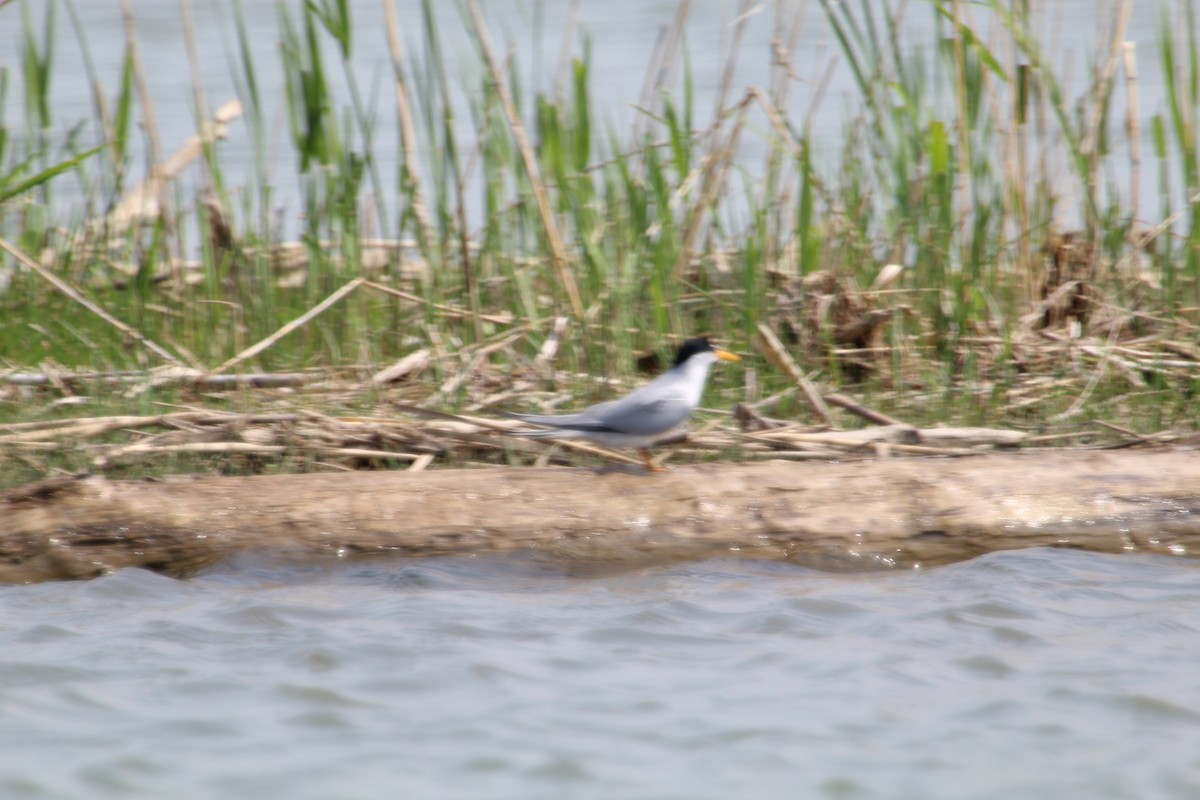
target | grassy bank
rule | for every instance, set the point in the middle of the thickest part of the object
(1035, 288)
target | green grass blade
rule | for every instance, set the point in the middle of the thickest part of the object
(8, 192)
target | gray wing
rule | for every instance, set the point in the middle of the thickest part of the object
(644, 416)
(655, 408)
(649, 410)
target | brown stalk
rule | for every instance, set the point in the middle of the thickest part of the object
(171, 376)
(770, 346)
(499, 319)
(139, 77)
(869, 414)
(1132, 123)
(745, 11)
(562, 268)
(189, 41)
(408, 131)
(1109, 68)
(714, 180)
(315, 311)
(141, 202)
(960, 90)
(662, 61)
(88, 426)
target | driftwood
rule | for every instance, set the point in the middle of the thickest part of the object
(167, 376)
(893, 512)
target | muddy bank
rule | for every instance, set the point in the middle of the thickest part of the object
(876, 513)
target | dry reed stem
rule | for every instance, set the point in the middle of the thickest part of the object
(153, 148)
(584, 449)
(1090, 144)
(770, 346)
(303, 319)
(79, 428)
(1164, 226)
(208, 448)
(412, 363)
(141, 202)
(901, 440)
(562, 267)
(714, 180)
(960, 89)
(504, 318)
(549, 349)
(74, 294)
(459, 436)
(421, 462)
(870, 415)
(478, 356)
(193, 55)
(408, 130)
(196, 417)
(1123, 431)
(1133, 126)
(172, 376)
(249, 448)
(662, 61)
(785, 40)
(745, 12)
(775, 117)
(312, 436)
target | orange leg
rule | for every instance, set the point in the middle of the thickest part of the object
(649, 460)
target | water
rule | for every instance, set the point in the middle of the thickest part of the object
(622, 36)
(1030, 674)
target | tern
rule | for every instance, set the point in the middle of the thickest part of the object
(641, 417)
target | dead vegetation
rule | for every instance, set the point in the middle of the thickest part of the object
(402, 428)
(1074, 339)
(1084, 334)
(854, 363)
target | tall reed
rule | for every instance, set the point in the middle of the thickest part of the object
(949, 166)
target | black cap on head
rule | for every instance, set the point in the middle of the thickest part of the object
(690, 348)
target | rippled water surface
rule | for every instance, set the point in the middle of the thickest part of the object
(1039, 673)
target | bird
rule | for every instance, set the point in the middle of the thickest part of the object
(641, 417)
